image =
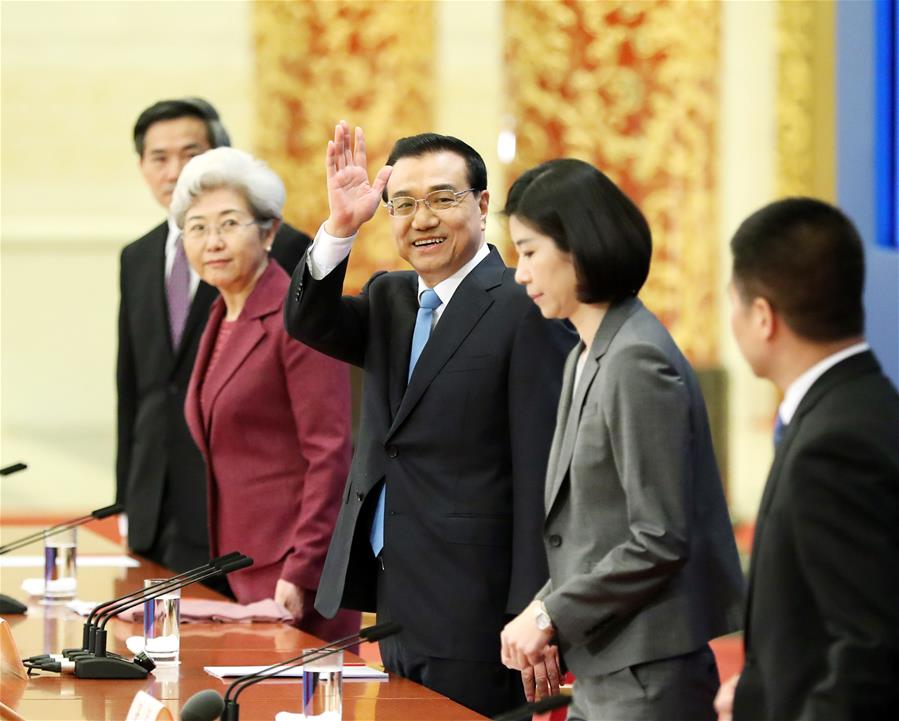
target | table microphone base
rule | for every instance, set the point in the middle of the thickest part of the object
(109, 667)
(10, 606)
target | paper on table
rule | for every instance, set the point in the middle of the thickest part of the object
(84, 561)
(349, 672)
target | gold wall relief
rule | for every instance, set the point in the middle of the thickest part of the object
(632, 88)
(370, 63)
(805, 99)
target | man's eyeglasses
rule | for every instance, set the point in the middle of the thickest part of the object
(436, 200)
(226, 229)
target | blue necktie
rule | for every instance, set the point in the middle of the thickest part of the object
(779, 429)
(428, 302)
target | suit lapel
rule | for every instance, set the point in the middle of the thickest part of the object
(196, 317)
(248, 332)
(155, 291)
(845, 370)
(611, 324)
(245, 336)
(470, 301)
(560, 435)
(402, 323)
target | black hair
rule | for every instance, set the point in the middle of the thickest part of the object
(589, 217)
(806, 258)
(417, 145)
(180, 108)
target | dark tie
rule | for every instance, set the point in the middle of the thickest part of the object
(177, 293)
(428, 301)
(779, 429)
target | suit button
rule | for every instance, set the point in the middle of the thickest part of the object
(555, 541)
(173, 389)
(392, 452)
(360, 497)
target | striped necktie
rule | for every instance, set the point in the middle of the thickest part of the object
(177, 293)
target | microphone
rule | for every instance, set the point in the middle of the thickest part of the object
(204, 705)
(96, 663)
(161, 589)
(11, 605)
(59, 528)
(200, 706)
(89, 629)
(524, 713)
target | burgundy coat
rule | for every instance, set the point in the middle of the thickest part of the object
(276, 443)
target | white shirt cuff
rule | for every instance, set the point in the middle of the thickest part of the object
(327, 252)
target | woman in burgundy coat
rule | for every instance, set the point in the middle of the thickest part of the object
(270, 415)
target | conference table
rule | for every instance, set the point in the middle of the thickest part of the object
(55, 697)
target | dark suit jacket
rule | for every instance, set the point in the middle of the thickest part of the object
(276, 441)
(155, 457)
(463, 449)
(822, 622)
(642, 559)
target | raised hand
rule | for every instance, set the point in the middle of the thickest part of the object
(352, 199)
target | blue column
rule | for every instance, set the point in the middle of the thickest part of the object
(866, 159)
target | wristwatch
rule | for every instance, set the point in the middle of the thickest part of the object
(544, 622)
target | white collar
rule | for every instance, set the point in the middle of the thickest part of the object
(799, 387)
(447, 287)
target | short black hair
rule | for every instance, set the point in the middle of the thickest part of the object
(180, 108)
(591, 218)
(807, 259)
(426, 143)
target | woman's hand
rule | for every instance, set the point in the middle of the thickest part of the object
(545, 678)
(523, 643)
(724, 700)
(352, 199)
(290, 596)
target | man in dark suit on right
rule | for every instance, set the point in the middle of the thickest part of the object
(822, 621)
(160, 476)
(440, 529)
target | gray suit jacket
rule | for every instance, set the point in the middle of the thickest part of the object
(642, 559)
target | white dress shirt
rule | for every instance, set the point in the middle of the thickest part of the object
(327, 252)
(799, 387)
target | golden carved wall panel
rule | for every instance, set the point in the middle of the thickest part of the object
(632, 87)
(805, 99)
(370, 63)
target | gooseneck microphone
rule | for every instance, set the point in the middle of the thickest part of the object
(9, 605)
(59, 528)
(14, 468)
(96, 662)
(524, 713)
(90, 627)
(203, 707)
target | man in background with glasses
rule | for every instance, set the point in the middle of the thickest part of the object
(160, 476)
(440, 529)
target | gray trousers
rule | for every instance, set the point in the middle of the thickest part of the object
(681, 688)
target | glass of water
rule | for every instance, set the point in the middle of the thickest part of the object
(60, 564)
(162, 624)
(323, 688)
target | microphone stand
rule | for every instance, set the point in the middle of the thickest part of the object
(97, 663)
(59, 528)
(90, 628)
(372, 633)
(9, 605)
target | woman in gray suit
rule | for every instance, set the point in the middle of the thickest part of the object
(643, 564)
